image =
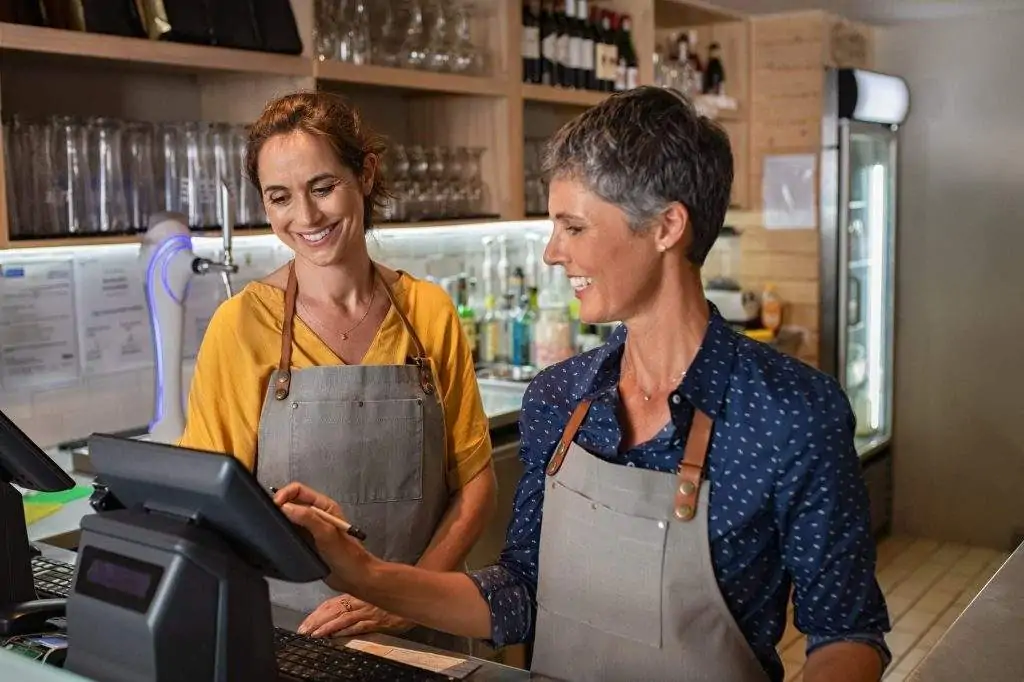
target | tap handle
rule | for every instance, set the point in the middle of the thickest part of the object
(227, 216)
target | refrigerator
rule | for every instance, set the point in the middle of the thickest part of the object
(863, 113)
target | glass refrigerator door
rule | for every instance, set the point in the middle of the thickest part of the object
(867, 226)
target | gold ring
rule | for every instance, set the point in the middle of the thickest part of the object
(348, 607)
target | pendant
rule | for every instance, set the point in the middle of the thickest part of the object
(647, 398)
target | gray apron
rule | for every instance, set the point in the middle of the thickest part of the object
(626, 587)
(371, 437)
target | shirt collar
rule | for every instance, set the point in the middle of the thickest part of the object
(705, 383)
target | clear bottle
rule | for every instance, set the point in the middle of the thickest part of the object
(553, 332)
(491, 339)
(467, 316)
(523, 331)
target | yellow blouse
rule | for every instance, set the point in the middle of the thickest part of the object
(242, 347)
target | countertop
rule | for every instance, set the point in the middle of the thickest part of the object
(487, 671)
(986, 642)
(68, 519)
(502, 401)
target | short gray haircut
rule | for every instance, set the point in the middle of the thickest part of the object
(643, 149)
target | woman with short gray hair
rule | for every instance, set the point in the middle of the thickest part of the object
(688, 477)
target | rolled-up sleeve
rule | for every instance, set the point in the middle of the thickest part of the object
(510, 586)
(823, 514)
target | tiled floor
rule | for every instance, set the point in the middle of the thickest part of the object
(927, 585)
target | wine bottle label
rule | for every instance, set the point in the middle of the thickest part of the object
(588, 55)
(611, 62)
(632, 77)
(575, 53)
(549, 47)
(531, 42)
(620, 75)
(563, 56)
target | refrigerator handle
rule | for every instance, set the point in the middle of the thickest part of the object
(844, 277)
(853, 303)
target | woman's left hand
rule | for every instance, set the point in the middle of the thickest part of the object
(346, 616)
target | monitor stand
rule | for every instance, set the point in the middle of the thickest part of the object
(21, 611)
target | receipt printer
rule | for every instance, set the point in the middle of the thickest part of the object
(171, 587)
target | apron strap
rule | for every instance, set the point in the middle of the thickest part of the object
(284, 377)
(691, 469)
(284, 373)
(568, 434)
(422, 361)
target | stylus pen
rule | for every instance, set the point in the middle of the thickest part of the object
(340, 524)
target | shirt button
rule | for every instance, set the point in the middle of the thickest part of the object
(676, 399)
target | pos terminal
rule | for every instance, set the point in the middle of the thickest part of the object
(171, 587)
(24, 464)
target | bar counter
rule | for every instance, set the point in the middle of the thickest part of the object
(986, 642)
(57, 535)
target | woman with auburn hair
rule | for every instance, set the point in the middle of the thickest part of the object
(342, 373)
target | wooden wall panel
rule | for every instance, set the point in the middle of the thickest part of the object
(787, 81)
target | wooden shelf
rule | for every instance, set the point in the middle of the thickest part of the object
(557, 95)
(140, 51)
(408, 79)
(113, 240)
(692, 13)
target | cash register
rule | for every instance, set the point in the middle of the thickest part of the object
(22, 464)
(169, 582)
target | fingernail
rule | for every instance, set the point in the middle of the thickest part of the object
(303, 630)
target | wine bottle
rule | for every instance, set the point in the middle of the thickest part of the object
(587, 75)
(566, 74)
(531, 43)
(714, 74)
(629, 66)
(548, 45)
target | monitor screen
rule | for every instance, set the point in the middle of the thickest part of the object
(23, 463)
(215, 491)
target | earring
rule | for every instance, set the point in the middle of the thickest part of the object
(661, 248)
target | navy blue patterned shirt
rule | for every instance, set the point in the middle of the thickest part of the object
(788, 507)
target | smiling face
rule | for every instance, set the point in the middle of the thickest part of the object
(313, 201)
(613, 269)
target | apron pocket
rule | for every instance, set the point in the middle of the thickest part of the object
(604, 567)
(359, 451)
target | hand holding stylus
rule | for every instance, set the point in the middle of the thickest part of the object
(350, 562)
(332, 517)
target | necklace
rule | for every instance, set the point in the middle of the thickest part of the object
(344, 334)
(644, 393)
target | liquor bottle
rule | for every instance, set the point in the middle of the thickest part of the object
(609, 57)
(492, 337)
(714, 74)
(548, 45)
(467, 316)
(531, 43)
(566, 75)
(628, 76)
(552, 333)
(586, 75)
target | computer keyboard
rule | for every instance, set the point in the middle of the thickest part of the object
(298, 657)
(52, 578)
(318, 660)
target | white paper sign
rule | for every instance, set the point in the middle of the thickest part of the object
(113, 320)
(788, 188)
(38, 341)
